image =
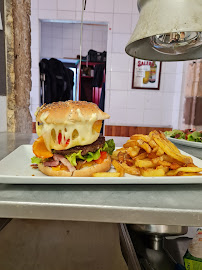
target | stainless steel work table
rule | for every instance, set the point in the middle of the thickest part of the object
(143, 204)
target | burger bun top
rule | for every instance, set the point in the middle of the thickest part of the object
(69, 111)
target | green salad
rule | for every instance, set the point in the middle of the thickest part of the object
(187, 134)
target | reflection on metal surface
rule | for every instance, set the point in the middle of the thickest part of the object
(4, 222)
(160, 259)
(167, 30)
(159, 229)
(152, 252)
(128, 249)
(155, 242)
(177, 42)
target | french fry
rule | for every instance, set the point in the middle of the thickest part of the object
(130, 143)
(153, 133)
(166, 169)
(114, 157)
(131, 170)
(169, 151)
(129, 162)
(118, 167)
(121, 157)
(144, 163)
(142, 137)
(153, 172)
(133, 151)
(152, 143)
(144, 146)
(155, 149)
(169, 159)
(191, 165)
(106, 174)
(189, 169)
(171, 173)
(159, 152)
(140, 156)
(164, 163)
(184, 169)
(157, 160)
(153, 155)
(174, 166)
(116, 153)
(169, 143)
(187, 174)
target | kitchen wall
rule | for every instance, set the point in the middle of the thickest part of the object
(125, 105)
(62, 40)
(3, 117)
(3, 100)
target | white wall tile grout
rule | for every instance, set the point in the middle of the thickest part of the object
(139, 106)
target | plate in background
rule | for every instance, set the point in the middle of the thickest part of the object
(193, 148)
(185, 142)
(15, 169)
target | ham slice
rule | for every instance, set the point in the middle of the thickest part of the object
(64, 161)
(51, 163)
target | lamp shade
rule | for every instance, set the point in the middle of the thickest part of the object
(167, 30)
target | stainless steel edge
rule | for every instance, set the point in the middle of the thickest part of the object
(134, 204)
(101, 214)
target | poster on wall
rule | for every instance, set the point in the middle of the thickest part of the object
(146, 74)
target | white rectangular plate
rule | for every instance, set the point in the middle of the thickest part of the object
(16, 169)
(186, 143)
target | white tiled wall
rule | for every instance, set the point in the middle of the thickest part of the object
(3, 118)
(125, 105)
(62, 40)
(180, 96)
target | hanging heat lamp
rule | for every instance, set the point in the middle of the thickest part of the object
(167, 30)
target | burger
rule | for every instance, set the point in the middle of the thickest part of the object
(69, 142)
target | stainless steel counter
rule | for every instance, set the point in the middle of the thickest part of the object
(143, 204)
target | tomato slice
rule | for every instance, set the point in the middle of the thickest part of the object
(60, 139)
(67, 141)
(103, 155)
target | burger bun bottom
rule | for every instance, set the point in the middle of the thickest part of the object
(84, 172)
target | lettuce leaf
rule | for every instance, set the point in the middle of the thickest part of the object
(174, 132)
(182, 136)
(195, 136)
(109, 146)
(36, 160)
(89, 157)
(93, 156)
(72, 158)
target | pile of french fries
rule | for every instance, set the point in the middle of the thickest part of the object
(151, 155)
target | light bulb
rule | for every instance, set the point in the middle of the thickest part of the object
(176, 42)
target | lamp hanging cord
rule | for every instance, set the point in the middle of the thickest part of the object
(81, 37)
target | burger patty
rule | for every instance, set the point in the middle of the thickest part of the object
(93, 147)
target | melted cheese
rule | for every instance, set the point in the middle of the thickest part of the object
(79, 133)
(38, 129)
